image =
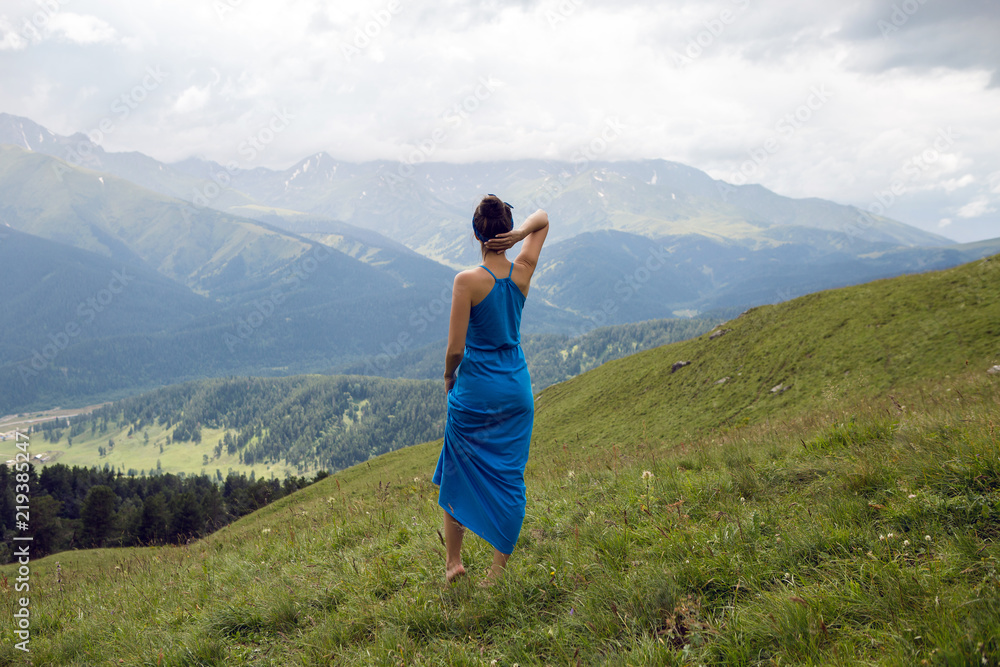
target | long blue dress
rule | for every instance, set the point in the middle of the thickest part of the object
(490, 415)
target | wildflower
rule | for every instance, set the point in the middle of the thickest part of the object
(906, 543)
(266, 531)
(647, 474)
(787, 575)
(416, 479)
(912, 495)
(889, 536)
(742, 499)
(881, 538)
(927, 538)
(571, 474)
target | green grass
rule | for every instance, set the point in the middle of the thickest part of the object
(841, 522)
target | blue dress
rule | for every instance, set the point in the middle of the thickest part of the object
(490, 415)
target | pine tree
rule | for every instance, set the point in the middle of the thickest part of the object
(98, 515)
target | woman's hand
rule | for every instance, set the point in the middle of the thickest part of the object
(449, 382)
(501, 242)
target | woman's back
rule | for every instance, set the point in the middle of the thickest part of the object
(490, 407)
(495, 322)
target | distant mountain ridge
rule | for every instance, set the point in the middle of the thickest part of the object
(407, 202)
(329, 264)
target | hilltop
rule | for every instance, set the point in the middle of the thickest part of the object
(820, 484)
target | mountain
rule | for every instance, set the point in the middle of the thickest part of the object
(56, 295)
(819, 485)
(428, 206)
(241, 296)
(208, 251)
(615, 277)
(329, 264)
(79, 151)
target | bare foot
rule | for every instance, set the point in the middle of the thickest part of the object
(453, 574)
(491, 577)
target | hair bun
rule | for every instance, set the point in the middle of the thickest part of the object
(493, 216)
(493, 207)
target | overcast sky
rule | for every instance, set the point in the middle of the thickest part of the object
(853, 101)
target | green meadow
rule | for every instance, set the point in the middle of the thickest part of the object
(819, 485)
(150, 450)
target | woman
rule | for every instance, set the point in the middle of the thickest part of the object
(490, 406)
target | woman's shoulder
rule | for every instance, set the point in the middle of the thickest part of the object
(471, 276)
(475, 282)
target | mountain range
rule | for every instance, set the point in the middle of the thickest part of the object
(228, 270)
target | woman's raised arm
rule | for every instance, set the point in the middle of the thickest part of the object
(532, 231)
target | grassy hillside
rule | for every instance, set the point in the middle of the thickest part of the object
(850, 518)
(852, 343)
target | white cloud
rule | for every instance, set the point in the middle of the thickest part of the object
(10, 40)
(994, 180)
(80, 29)
(953, 184)
(192, 99)
(557, 85)
(976, 209)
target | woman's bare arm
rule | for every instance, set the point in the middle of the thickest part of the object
(458, 326)
(532, 231)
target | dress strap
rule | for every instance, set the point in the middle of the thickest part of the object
(489, 272)
(511, 270)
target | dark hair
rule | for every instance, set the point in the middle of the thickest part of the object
(493, 216)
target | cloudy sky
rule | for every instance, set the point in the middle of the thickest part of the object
(865, 102)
